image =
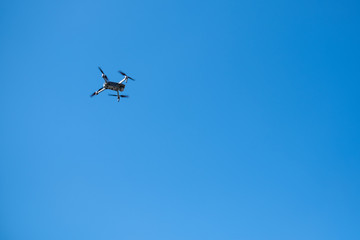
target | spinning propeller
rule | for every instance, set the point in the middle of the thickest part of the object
(103, 75)
(123, 96)
(126, 75)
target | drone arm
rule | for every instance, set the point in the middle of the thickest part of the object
(125, 78)
(100, 90)
(97, 92)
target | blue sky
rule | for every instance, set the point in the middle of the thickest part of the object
(243, 122)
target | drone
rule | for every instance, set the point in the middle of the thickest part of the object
(115, 86)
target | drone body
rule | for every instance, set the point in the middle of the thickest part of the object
(115, 86)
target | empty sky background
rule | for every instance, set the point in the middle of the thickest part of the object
(243, 122)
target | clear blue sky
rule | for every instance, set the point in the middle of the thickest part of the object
(243, 123)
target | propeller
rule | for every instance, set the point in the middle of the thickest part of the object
(103, 75)
(126, 75)
(123, 96)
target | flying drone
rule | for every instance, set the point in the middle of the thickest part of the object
(115, 86)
